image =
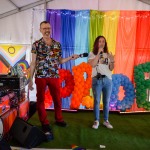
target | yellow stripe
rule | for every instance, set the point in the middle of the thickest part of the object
(110, 26)
(11, 50)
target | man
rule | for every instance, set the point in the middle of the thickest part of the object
(46, 57)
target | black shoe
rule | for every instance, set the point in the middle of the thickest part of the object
(48, 132)
(49, 136)
(61, 124)
(46, 128)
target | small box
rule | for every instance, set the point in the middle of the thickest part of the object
(4, 109)
(23, 109)
(7, 120)
(4, 104)
(8, 96)
(20, 93)
(12, 82)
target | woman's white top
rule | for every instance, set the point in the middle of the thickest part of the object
(102, 66)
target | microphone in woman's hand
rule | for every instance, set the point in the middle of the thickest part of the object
(101, 54)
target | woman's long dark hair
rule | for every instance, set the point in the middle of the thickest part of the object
(95, 46)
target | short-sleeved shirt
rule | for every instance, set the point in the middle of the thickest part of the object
(47, 60)
(102, 67)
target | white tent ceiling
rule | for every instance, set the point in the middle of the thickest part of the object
(23, 27)
(9, 7)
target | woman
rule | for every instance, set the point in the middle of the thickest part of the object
(102, 63)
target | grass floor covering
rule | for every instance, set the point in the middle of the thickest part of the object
(131, 131)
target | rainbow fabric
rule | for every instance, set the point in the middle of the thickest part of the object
(127, 34)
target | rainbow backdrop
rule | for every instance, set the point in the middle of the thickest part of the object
(127, 34)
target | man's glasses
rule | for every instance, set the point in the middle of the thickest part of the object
(45, 28)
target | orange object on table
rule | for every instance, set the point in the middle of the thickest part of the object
(6, 121)
(4, 104)
(23, 109)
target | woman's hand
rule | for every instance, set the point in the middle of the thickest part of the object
(111, 57)
(100, 50)
(111, 64)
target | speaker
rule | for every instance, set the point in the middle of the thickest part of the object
(4, 145)
(27, 135)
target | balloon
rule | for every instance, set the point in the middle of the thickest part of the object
(83, 82)
(122, 80)
(67, 77)
(141, 85)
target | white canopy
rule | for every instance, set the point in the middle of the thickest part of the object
(17, 16)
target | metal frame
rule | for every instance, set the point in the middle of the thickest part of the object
(10, 1)
(19, 9)
(145, 1)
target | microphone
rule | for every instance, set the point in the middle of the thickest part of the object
(84, 55)
(101, 54)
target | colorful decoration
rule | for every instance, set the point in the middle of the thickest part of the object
(126, 103)
(24, 64)
(142, 85)
(11, 54)
(3, 68)
(129, 41)
(17, 71)
(83, 84)
(75, 147)
(67, 77)
(88, 101)
(25, 67)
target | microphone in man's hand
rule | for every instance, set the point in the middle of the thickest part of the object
(84, 55)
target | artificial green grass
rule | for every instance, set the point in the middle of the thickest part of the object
(131, 132)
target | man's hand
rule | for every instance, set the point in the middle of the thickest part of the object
(30, 85)
(75, 56)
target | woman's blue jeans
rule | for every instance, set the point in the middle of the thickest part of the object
(104, 86)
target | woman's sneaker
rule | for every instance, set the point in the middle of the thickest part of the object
(96, 124)
(107, 124)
